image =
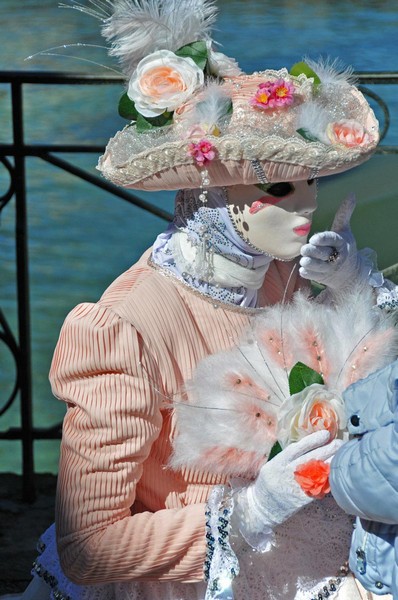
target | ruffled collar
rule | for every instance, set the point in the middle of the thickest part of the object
(202, 249)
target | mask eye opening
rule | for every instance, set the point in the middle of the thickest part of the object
(281, 190)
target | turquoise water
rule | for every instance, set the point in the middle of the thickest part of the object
(80, 237)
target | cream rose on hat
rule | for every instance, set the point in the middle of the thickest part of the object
(162, 82)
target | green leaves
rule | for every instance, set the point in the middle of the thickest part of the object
(301, 377)
(276, 448)
(128, 111)
(147, 123)
(307, 135)
(197, 51)
(302, 67)
(127, 108)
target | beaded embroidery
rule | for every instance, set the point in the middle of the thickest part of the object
(51, 580)
(221, 564)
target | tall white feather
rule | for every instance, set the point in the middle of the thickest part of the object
(137, 28)
(210, 109)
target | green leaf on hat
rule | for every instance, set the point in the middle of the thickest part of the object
(301, 377)
(276, 448)
(302, 67)
(307, 135)
(127, 108)
(197, 51)
(148, 123)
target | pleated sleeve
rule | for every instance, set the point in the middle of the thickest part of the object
(110, 382)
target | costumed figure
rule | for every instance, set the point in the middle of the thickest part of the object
(364, 479)
(244, 151)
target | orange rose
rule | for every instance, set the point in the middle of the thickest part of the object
(313, 409)
(162, 82)
(348, 133)
(322, 416)
(313, 478)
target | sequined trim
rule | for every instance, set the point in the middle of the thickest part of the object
(332, 585)
(51, 581)
(221, 565)
(216, 303)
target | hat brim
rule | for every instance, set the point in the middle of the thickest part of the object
(165, 164)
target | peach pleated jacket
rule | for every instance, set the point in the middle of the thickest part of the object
(122, 514)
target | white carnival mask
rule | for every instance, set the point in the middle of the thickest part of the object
(275, 219)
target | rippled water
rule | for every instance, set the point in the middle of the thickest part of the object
(81, 238)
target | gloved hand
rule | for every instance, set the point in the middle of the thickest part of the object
(275, 495)
(331, 257)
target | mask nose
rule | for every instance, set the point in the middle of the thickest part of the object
(306, 198)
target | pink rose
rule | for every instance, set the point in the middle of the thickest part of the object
(348, 133)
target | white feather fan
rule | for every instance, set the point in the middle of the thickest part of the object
(229, 420)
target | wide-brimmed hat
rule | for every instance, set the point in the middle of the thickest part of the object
(195, 119)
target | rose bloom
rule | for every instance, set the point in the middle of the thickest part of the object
(348, 133)
(313, 478)
(162, 82)
(314, 409)
(221, 65)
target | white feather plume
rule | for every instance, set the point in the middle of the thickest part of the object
(210, 109)
(313, 118)
(331, 71)
(137, 28)
(99, 9)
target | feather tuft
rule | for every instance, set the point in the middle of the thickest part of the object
(313, 119)
(332, 71)
(138, 28)
(211, 111)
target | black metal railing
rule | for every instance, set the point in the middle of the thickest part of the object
(13, 157)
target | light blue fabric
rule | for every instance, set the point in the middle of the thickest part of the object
(364, 479)
(209, 227)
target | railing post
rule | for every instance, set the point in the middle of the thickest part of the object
(22, 258)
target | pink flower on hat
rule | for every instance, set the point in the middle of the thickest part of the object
(263, 96)
(348, 133)
(273, 94)
(202, 151)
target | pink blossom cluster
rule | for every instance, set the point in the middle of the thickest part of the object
(202, 151)
(273, 94)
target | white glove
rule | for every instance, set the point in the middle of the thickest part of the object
(331, 257)
(275, 495)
